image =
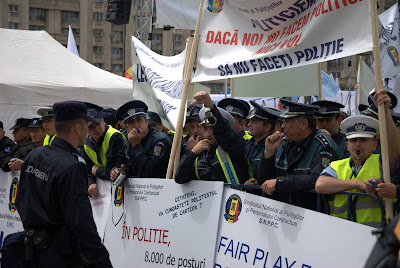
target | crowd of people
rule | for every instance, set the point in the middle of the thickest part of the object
(286, 153)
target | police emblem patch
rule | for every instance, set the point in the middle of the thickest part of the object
(229, 108)
(325, 162)
(13, 195)
(322, 109)
(233, 207)
(360, 126)
(7, 149)
(215, 6)
(131, 111)
(157, 150)
(119, 195)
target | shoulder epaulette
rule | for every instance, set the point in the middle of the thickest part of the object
(80, 158)
(323, 140)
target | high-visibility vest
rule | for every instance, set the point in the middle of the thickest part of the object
(226, 165)
(48, 139)
(104, 147)
(367, 210)
(247, 136)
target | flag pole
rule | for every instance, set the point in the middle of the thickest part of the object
(381, 108)
(187, 77)
(319, 82)
(358, 96)
(232, 87)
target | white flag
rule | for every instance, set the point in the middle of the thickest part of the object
(181, 14)
(164, 74)
(71, 46)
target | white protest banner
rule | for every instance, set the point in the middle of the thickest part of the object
(166, 224)
(10, 221)
(239, 38)
(165, 75)
(390, 42)
(260, 232)
(101, 205)
(181, 14)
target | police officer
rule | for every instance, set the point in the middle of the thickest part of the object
(6, 144)
(36, 132)
(192, 125)
(292, 165)
(328, 120)
(220, 154)
(145, 153)
(53, 200)
(24, 145)
(101, 150)
(239, 109)
(47, 117)
(262, 121)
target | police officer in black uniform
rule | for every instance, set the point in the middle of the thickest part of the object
(292, 165)
(328, 115)
(6, 144)
(145, 153)
(220, 154)
(239, 109)
(53, 199)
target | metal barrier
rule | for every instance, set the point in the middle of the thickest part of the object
(352, 199)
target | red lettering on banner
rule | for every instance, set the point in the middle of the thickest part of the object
(222, 38)
(143, 234)
(272, 38)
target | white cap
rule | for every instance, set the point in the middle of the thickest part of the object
(360, 126)
(223, 112)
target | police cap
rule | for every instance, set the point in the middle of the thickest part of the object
(21, 122)
(70, 110)
(95, 114)
(90, 105)
(263, 113)
(154, 118)
(235, 107)
(130, 110)
(327, 109)
(108, 113)
(45, 112)
(194, 114)
(35, 123)
(360, 126)
(227, 116)
(396, 118)
(294, 109)
(393, 99)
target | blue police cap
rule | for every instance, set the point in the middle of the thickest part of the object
(35, 123)
(90, 105)
(327, 109)
(70, 110)
(21, 122)
(235, 107)
(130, 110)
(263, 113)
(108, 113)
(396, 118)
(393, 99)
(95, 115)
(154, 118)
(194, 114)
(294, 109)
(362, 107)
(45, 112)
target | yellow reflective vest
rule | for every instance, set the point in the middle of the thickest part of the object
(48, 139)
(247, 136)
(104, 147)
(367, 210)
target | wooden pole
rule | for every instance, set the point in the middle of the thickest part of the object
(185, 90)
(319, 82)
(381, 108)
(232, 87)
(191, 92)
(358, 98)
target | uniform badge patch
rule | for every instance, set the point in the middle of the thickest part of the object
(325, 162)
(7, 149)
(157, 150)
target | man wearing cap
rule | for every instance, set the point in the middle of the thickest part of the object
(37, 132)
(101, 150)
(262, 121)
(352, 174)
(239, 109)
(6, 144)
(47, 117)
(192, 125)
(328, 120)
(145, 153)
(53, 199)
(220, 154)
(292, 165)
(24, 145)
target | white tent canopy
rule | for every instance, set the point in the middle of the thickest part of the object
(36, 70)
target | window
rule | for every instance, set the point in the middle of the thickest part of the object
(157, 39)
(116, 37)
(215, 88)
(178, 37)
(13, 8)
(36, 28)
(116, 67)
(336, 75)
(97, 16)
(335, 63)
(97, 49)
(37, 14)
(74, 31)
(97, 32)
(70, 17)
(13, 25)
(99, 65)
(116, 53)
